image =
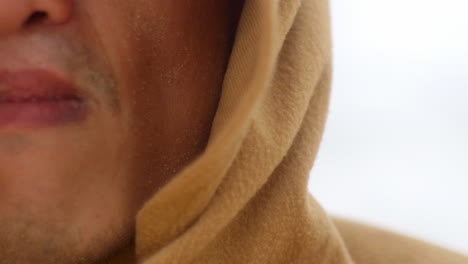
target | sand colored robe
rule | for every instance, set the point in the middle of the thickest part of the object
(245, 199)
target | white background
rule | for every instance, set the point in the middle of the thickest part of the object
(395, 149)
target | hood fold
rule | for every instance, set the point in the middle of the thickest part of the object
(245, 198)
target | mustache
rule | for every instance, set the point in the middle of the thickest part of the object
(79, 63)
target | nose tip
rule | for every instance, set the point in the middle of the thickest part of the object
(16, 15)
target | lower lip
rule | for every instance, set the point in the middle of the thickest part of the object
(41, 114)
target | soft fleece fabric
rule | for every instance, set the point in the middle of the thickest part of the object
(245, 199)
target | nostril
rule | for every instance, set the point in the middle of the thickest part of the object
(36, 18)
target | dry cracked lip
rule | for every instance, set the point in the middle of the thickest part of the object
(39, 98)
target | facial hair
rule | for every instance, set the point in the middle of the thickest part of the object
(30, 238)
(28, 235)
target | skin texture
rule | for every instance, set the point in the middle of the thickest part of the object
(153, 72)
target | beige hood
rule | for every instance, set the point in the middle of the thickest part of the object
(245, 199)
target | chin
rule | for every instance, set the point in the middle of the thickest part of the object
(56, 185)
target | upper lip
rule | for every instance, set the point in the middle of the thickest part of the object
(36, 86)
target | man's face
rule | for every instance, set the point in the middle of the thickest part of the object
(101, 102)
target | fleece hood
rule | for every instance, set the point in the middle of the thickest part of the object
(245, 198)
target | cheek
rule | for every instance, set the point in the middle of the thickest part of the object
(169, 59)
(173, 97)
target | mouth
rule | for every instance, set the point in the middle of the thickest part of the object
(38, 98)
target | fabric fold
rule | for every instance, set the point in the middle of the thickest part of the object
(252, 173)
(245, 198)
